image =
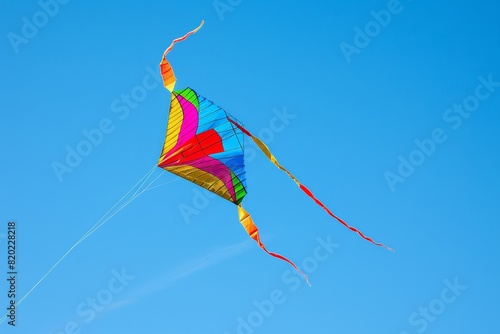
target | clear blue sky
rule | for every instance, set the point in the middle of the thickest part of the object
(388, 111)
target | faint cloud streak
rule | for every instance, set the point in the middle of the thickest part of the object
(193, 266)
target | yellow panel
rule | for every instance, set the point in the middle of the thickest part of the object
(167, 73)
(203, 179)
(174, 126)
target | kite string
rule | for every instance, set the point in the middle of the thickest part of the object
(98, 224)
(161, 185)
(145, 180)
(95, 227)
(127, 203)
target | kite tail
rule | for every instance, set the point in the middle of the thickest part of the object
(167, 73)
(253, 232)
(271, 157)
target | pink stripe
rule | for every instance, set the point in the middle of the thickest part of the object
(217, 169)
(189, 123)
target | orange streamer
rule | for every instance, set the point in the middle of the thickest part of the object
(252, 230)
(167, 73)
(271, 157)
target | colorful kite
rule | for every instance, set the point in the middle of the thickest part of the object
(204, 144)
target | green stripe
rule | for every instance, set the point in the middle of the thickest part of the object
(239, 190)
(191, 96)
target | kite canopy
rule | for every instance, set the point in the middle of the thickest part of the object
(204, 145)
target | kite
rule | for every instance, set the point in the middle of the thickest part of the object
(204, 144)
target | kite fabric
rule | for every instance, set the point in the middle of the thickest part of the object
(204, 144)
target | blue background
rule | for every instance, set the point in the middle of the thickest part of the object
(350, 120)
